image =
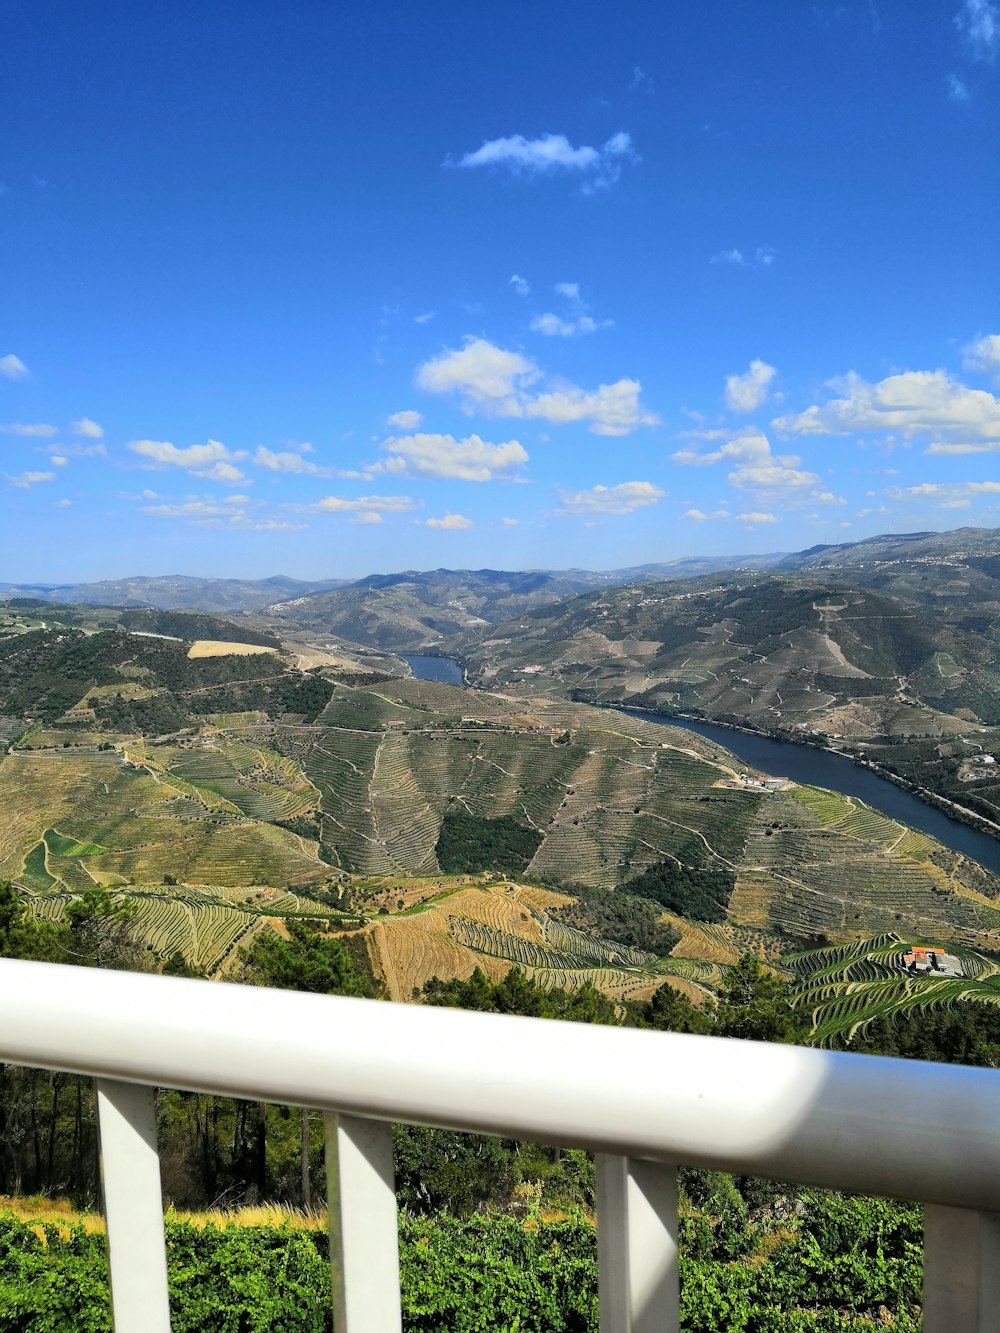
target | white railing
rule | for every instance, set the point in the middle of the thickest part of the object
(643, 1101)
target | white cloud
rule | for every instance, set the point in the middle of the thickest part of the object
(368, 516)
(79, 450)
(745, 393)
(444, 457)
(90, 430)
(551, 154)
(500, 383)
(288, 461)
(763, 257)
(913, 403)
(520, 285)
(211, 461)
(571, 290)
(485, 375)
(758, 469)
(554, 325)
(621, 499)
(425, 318)
(38, 430)
(407, 420)
(230, 513)
(27, 479)
(386, 504)
(58, 460)
(755, 516)
(63, 504)
(979, 23)
(958, 89)
(699, 516)
(13, 368)
(984, 355)
(449, 523)
(947, 495)
(188, 509)
(510, 522)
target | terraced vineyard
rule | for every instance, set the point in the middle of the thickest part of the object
(196, 825)
(845, 987)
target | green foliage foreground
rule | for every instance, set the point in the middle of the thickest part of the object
(833, 1264)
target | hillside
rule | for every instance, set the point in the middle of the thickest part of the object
(217, 794)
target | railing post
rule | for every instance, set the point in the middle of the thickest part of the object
(133, 1207)
(364, 1226)
(961, 1270)
(637, 1246)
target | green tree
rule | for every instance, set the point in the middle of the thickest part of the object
(307, 961)
(755, 1005)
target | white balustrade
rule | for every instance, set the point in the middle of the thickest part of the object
(642, 1101)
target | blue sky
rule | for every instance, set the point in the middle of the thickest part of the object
(332, 289)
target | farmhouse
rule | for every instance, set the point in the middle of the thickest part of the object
(763, 782)
(928, 960)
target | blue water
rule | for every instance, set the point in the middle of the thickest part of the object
(820, 768)
(801, 763)
(444, 669)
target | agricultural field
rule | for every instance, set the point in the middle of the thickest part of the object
(845, 987)
(220, 648)
(196, 822)
(497, 926)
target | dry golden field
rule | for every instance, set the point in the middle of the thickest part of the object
(219, 648)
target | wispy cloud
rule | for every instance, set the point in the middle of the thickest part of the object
(979, 23)
(289, 461)
(763, 256)
(555, 326)
(232, 513)
(211, 461)
(699, 516)
(624, 498)
(39, 430)
(551, 154)
(342, 504)
(958, 89)
(13, 368)
(945, 495)
(449, 522)
(445, 458)
(756, 516)
(520, 285)
(425, 318)
(510, 522)
(29, 479)
(500, 383)
(406, 420)
(745, 393)
(90, 430)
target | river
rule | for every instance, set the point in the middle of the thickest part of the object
(801, 763)
(444, 669)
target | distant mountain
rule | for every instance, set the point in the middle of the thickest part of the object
(894, 548)
(422, 609)
(414, 609)
(172, 592)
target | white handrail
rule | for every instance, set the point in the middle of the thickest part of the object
(901, 1128)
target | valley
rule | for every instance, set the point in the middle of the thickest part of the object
(227, 776)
